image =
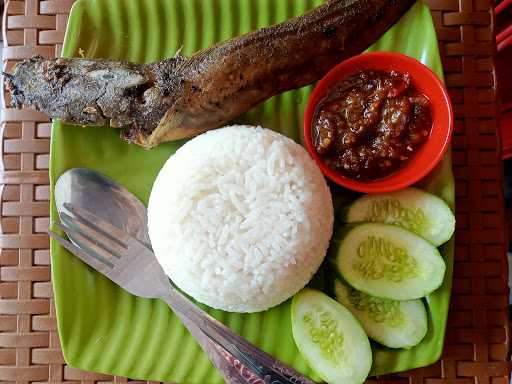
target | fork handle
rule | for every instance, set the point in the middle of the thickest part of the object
(271, 370)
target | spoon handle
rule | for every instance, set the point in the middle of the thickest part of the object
(229, 367)
(267, 368)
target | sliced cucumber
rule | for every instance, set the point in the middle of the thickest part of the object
(330, 338)
(395, 324)
(418, 211)
(389, 262)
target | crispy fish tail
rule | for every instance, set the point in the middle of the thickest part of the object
(182, 97)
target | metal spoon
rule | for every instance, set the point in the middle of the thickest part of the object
(86, 188)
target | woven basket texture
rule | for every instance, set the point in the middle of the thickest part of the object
(477, 340)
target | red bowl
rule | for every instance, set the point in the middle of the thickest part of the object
(426, 83)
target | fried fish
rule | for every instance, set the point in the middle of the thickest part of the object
(181, 96)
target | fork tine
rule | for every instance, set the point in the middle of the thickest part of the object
(90, 245)
(76, 227)
(102, 266)
(107, 229)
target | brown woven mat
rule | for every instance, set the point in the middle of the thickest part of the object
(476, 349)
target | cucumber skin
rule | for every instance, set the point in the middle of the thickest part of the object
(304, 355)
(293, 311)
(345, 212)
(333, 257)
(375, 335)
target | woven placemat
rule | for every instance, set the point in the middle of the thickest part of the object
(477, 339)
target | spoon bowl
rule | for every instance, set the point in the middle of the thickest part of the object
(88, 189)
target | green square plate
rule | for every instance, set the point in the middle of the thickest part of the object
(104, 329)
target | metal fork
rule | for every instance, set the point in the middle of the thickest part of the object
(131, 265)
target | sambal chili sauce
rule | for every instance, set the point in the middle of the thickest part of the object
(369, 125)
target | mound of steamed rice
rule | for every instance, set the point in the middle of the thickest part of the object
(240, 218)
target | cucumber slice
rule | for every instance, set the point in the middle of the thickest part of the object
(395, 324)
(413, 209)
(389, 262)
(330, 338)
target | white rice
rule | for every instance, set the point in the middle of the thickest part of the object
(240, 218)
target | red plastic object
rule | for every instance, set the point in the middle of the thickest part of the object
(506, 131)
(426, 82)
(504, 38)
(503, 14)
(502, 6)
(504, 25)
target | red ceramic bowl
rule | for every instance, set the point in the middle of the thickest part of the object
(426, 83)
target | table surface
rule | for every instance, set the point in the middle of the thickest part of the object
(477, 339)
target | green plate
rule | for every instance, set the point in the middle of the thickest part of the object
(104, 329)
